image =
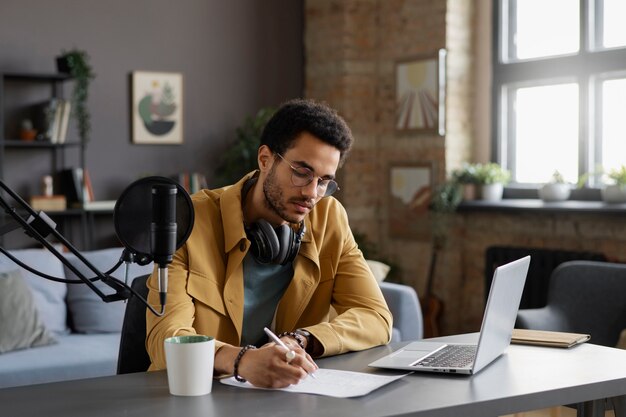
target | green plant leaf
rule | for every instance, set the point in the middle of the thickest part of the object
(241, 157)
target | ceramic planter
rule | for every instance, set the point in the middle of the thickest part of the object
(469, 192)
(63, 65)
(492, 192)
(614, 194)
(555, 192)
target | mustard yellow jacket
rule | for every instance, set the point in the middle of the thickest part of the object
(205, 289)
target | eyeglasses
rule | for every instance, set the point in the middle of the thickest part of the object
(303, 176)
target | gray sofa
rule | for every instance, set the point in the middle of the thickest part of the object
(80, 332)
(408, 323)
(86, 331)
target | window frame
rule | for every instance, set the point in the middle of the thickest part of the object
(589, 67)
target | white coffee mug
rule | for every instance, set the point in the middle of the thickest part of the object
(190, 364)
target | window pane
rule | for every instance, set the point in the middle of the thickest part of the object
(614, 14)
(546, 133)
(546, 28)
(613, 123)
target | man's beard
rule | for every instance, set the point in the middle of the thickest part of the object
(274, 197)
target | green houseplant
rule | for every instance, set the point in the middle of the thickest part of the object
(241, 157)
(467, 178)
(492, 173)
(76, 63)
(618, 175)
(615, 192)
(492, 178)
(444, 202)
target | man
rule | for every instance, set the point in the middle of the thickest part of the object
(275, 250)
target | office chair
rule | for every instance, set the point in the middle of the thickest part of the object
(133, 356)
(583, 297)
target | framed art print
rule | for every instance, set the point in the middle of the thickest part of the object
(157, 108)
(410, 189)
(420, 93)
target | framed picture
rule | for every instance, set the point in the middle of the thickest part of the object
(410, 188)
(420, 93)
(157, 108)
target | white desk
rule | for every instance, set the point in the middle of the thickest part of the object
(524, 378)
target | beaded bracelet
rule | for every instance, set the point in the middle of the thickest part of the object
(298, 337)
(238, 359)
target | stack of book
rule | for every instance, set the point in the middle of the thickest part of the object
(192, 182)
(51, 119)
(75, 184)
(48, 203)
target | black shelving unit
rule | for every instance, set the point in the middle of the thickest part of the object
(56, 82)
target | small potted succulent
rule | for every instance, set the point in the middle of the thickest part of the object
(555, 190)
(615, 192)
(76, 63)
(27, 132)
(492, 178)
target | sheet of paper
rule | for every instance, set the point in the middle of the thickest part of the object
(331, 382)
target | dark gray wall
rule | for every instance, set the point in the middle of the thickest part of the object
(235, 56)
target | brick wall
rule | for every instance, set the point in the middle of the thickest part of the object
(351, 48)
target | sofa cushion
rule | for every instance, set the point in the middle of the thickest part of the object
(88, 313)
(75, 356)
(49, 295)
(379, 269)
(20, 326)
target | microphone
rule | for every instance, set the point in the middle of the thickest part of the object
(163, 230)
(153, 232)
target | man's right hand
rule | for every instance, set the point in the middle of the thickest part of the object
(267, 367)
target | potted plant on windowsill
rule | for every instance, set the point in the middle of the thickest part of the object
(616, 192)
(492, 178)
(466, 177)
(76, 63)
(556, 190)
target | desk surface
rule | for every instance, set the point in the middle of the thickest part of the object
(524, 378)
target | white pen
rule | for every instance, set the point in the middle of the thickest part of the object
(290, 353)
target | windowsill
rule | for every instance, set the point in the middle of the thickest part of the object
(538, 206)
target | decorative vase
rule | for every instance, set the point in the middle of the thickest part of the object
(492, 192)
(555, 192)
(614, 194)
(28, 134)
(62, 64)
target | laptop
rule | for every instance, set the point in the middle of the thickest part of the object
(495, 332)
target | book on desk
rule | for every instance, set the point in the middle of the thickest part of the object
(548, 338)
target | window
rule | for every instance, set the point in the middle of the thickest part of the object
(559, 88)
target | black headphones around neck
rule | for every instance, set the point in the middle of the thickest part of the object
(276, 245)
(268, 244)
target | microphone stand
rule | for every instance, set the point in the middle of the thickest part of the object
(39, 226)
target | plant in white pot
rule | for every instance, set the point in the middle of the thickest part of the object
(556, 190)
(615, 192)
(492, 178)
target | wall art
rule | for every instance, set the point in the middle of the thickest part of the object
(420, 93)
(157, 108)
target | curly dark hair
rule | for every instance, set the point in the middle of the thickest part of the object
(301, 115)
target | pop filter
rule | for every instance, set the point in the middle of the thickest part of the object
(133, 215)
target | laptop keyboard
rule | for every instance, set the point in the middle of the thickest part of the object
(450, 356)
